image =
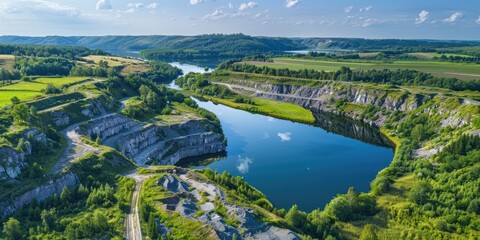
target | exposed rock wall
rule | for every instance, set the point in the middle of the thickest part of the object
(40, 193)
(11, 163)
(322, 97)
(160, 144)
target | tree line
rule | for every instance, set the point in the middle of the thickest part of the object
(385, 76)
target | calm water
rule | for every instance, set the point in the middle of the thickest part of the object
(294, 163)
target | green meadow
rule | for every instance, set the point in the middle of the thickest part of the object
(28, 90)
(442, 69)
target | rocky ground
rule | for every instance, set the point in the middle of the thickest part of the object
(196, 199)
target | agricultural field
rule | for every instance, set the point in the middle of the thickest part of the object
(27, 90)
(60, 81)
(5, 96)
(129, 65)
(464, 71)
(429, 56)
(40, 84)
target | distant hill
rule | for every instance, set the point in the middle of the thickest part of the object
(215, 42)
(360, 44)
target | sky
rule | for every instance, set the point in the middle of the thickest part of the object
(405, 19)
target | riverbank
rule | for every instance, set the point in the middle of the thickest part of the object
(281, 110)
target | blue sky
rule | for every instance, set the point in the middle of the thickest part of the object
(410, 19)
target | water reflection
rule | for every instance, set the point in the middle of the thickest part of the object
(294, 163)
(350, 128)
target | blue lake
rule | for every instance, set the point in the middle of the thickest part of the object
(293, 163)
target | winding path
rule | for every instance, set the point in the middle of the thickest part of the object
(133, 228)
(76, 148)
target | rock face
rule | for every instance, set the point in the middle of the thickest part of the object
(190, 203)
(160, 144)
(59, 118)
(40, 193)
(321, 98)
(11, 163)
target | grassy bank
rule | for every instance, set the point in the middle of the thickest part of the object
(282, 110)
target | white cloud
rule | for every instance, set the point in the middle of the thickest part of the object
(152, 6)
(422, 17)
(453, 18)
(243, 165)
(478, 20)
(219, 14)
(31, 9)
(369, 21)
(216, 15)
(285, 136)
(249, 5)
(104, 5)
(291, 3)
(135, 5)
(348, 9)
(195, 2)
(230, 5)
(365, 9)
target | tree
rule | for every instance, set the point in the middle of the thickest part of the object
(474, 206)
(352, 197)
(339, 208)
(12, 230)
(51, 89)
(48, 219)
(100, 222)
(295, 217)
(15, 100)
(420, 193)
(20, 145)
(21, 113)
(65, 195)
(418, 132)
(368, 233)
(152, 227)
(98, 140)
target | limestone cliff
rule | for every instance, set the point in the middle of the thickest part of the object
(39, 193)
(323, 96)
(159, 144)
(11, 163)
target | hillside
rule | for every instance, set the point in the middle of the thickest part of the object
(215, 42)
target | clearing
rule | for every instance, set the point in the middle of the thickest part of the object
(7, 61)
(130, 65)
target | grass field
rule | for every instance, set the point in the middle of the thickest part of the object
(60, 81)
(276, 109)
(5, 96)
(40, 84)
(7, 61)
(442, 69)
(29, 90)
(130, 65)
(428, 56)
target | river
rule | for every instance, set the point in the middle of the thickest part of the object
(294, 163)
